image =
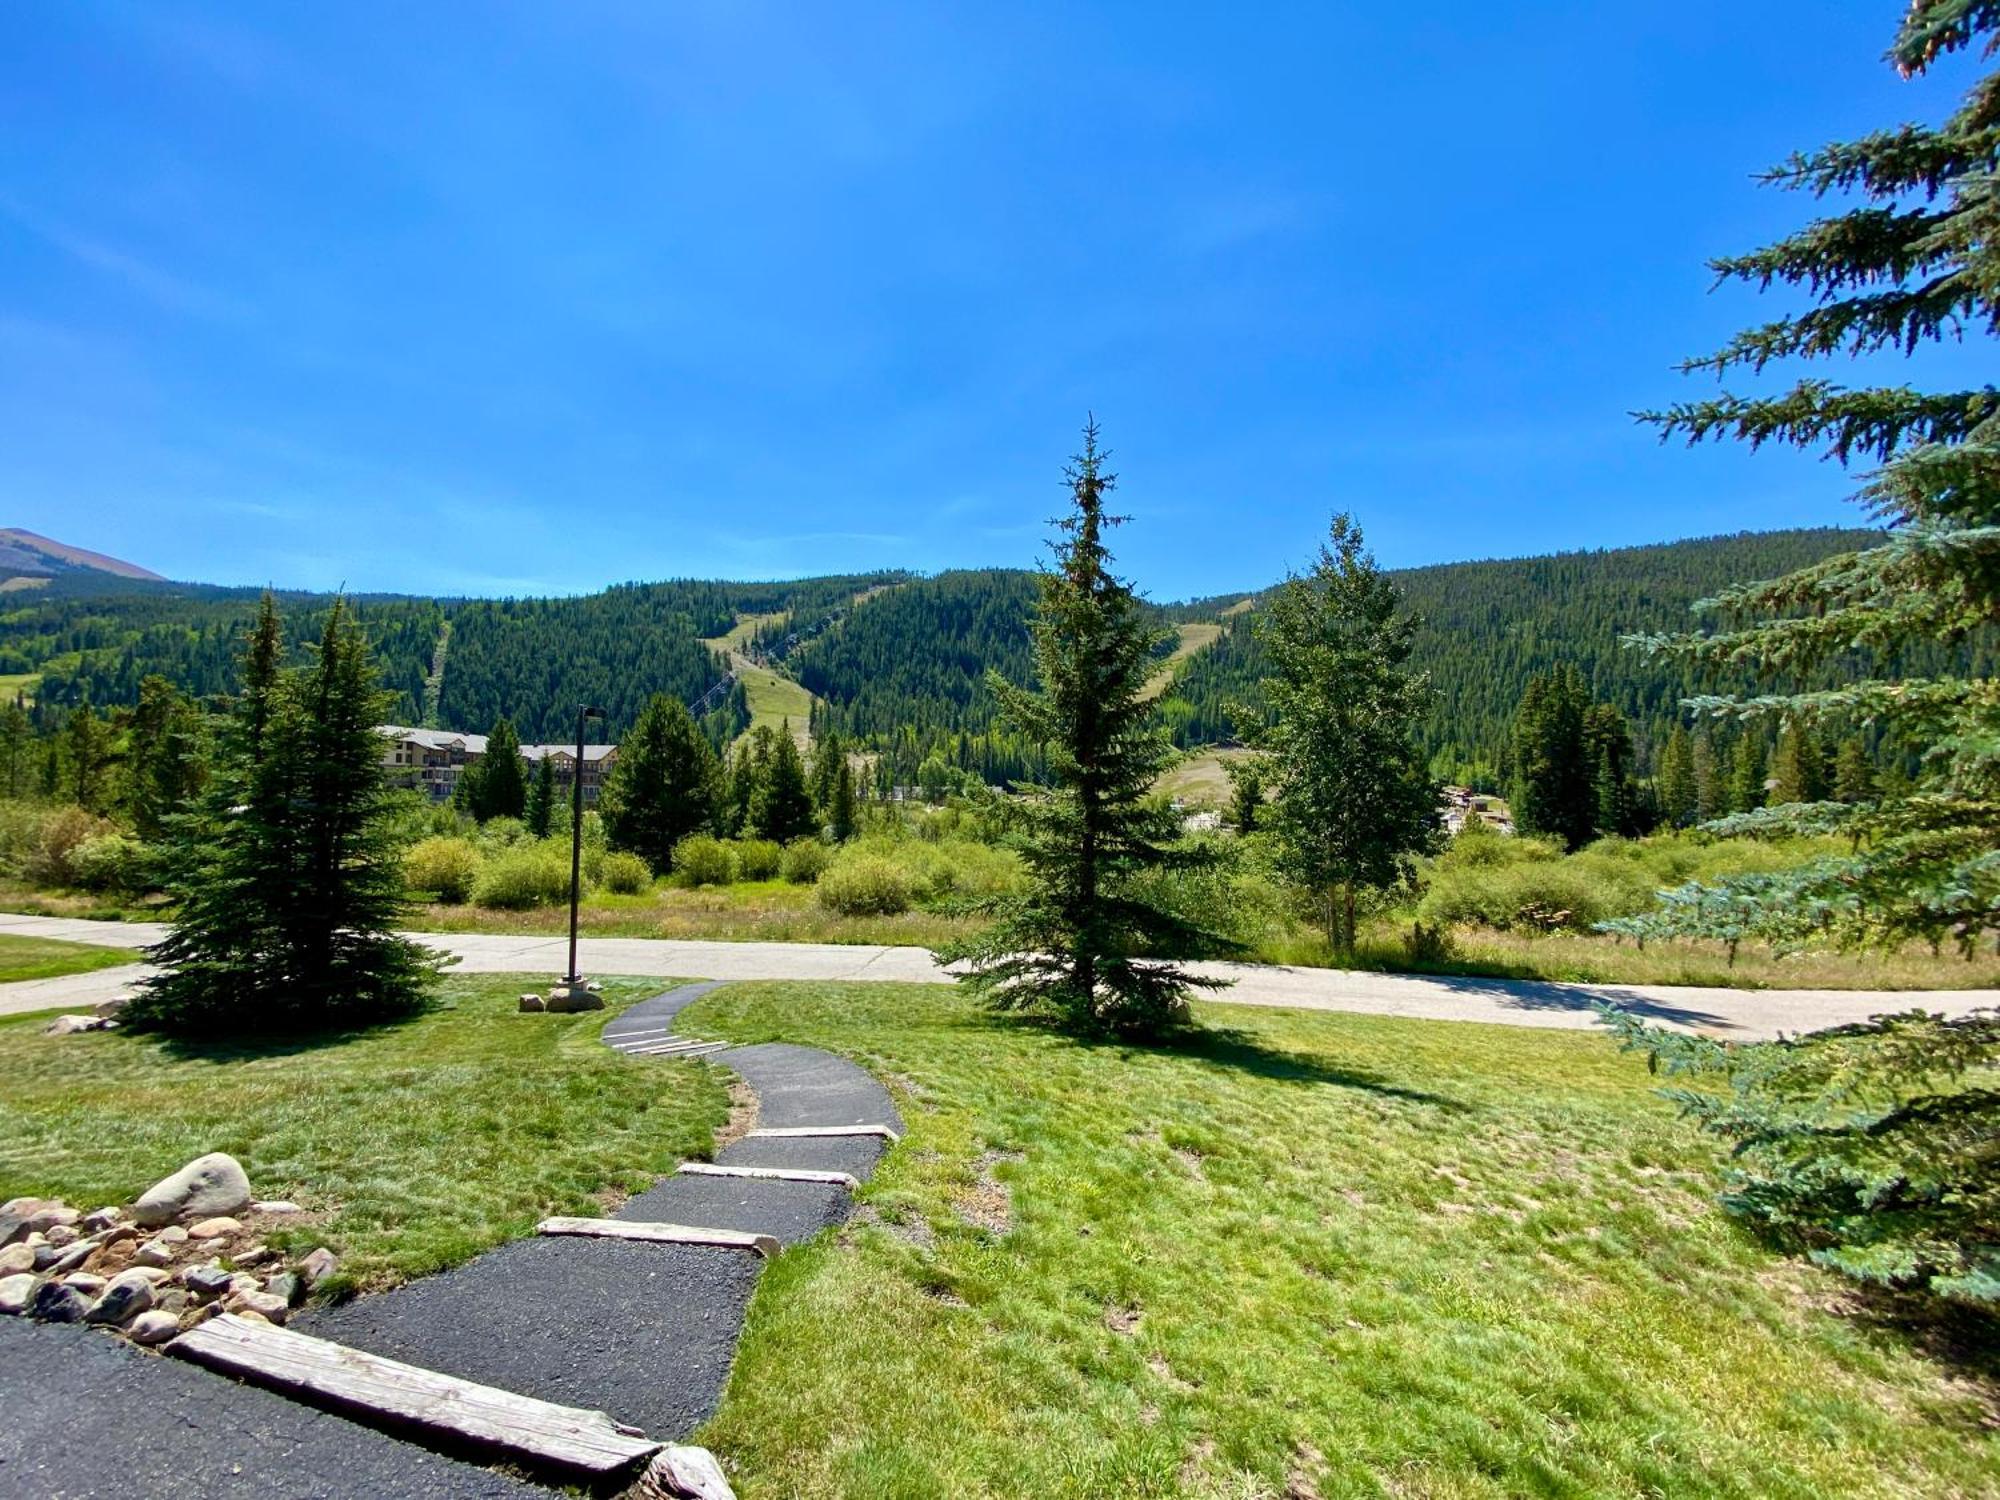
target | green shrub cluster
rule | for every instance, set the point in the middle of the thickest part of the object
(867, 885)
(701, 859)
(624, 874)
(446, 867)
(525, 875)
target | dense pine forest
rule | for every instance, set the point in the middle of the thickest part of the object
(899, 663)
(1491, 626)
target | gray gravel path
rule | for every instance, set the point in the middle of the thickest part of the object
(85, 1415)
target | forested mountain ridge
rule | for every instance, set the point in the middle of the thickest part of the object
(899, 662)
(1489, 626)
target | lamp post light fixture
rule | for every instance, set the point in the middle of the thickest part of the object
(583, 716)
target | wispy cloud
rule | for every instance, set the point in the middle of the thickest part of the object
(163, 288)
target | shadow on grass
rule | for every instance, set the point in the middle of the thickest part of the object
(290, 1043)
(1222, 1047)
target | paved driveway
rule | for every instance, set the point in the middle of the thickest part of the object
(1511, 1002)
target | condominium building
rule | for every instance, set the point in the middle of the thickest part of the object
(432, 760)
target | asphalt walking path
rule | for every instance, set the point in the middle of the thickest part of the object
(1736, 1014)
(644, 1332)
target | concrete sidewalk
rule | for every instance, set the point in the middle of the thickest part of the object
(1738, 1014)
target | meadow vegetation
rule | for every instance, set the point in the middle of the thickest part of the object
(1305, 1254)
(413, 1146)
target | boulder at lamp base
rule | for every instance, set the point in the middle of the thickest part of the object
(565, 998)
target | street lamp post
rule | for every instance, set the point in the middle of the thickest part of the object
(583, 715)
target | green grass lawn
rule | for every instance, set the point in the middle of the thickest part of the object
(1309, 1255)
(415, 1146)
(45, 958)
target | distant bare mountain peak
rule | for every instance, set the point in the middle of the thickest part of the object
(27, 558)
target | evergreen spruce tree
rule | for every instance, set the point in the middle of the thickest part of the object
(540, 812)
(1083, 943)
(829, 755)
(87, 758)
(167, 763)
(17, 750)
(1873, 1144)
(663, 785)
(1712, 770)
(291, 883)
(1798, 770)
(1853, 772)
(1749, 774)
(1353, 800)
(501, 788)
(1607, 747)
(783, 806)
(1680, 799)
(1554, 792)
(841, 817)
(1246, 793)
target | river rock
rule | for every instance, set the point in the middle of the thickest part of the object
(63, 1234)
(71, 1025)
(214, 1229)
(69, 1258)
(154, 1327)
(264, 1304)
(124, 1299)
(317, 1266)
(88, 1284)
(206, 1187)
(153, 1253)
(17, 1258)
(253, 1255)
(100, 1219)
(206, 1281)
(54, 1302)
(13, 1227)
(16, 1292)
(52, 1216)
(286, 1284)
(275, 1206)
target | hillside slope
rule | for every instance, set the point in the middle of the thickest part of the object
(30, 560)
(905, 669)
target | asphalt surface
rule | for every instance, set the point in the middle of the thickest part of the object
(644, 1332)
(84, 1414)
(1735, 1014)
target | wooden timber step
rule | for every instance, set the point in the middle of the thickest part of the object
(774, 1174)
(811, 1132)
(662, 1234)
(353, 1381)
(687, 1047)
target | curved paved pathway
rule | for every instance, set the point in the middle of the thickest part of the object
(1738, 1014)
(645, 1332)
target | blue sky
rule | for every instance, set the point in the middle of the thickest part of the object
(531, 298)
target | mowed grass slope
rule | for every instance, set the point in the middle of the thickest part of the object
(46, 958)
(1195, 636)
(414, 1147)
(1308, 1255)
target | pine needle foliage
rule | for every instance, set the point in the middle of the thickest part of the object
(1083, 943)
(289, 881)
(1877, 1146)
(1873, 1147)
(1353, 800)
